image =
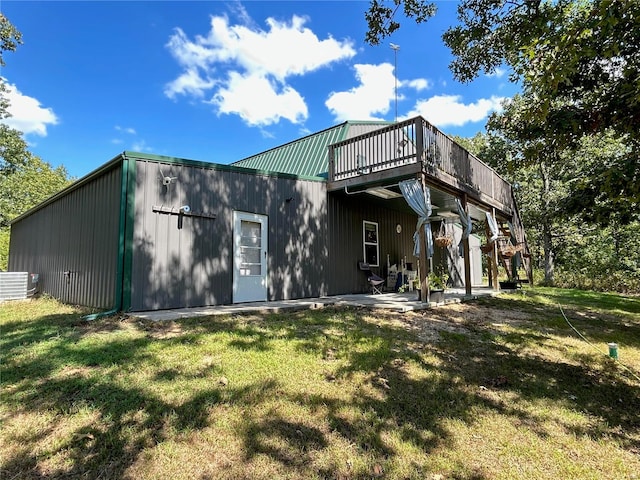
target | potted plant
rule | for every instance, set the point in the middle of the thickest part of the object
(508, 284)
(437, 284)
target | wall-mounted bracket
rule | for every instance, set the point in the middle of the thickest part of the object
(181, 211)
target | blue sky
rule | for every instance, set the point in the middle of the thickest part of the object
(222, 80)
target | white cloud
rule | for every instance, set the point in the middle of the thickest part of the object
(136, 144)
(417, 84)
(141, 146)
(232, 59)
(498, 73)
(128, 130)
(448, 110)
(27, 115)
(190, 82)
(373, 96)
(258, 102)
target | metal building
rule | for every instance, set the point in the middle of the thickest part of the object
(146, 232)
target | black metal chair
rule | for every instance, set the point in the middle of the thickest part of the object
(374, 280)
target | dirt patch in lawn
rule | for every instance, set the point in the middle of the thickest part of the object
(455, 318)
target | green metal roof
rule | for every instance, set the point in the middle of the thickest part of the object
(307, 156)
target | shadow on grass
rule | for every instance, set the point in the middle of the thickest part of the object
(403, 392)
(613, 319)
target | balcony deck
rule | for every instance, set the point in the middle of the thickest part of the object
(403, 150)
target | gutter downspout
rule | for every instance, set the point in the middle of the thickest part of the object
(121, 246)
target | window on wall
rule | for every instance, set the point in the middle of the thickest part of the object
(370, 243)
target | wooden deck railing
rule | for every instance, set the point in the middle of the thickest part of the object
(416, 141)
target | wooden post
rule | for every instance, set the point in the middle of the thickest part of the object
(419, 144)
(425, 291)
(424, 271)
(494, 260)
(332, 166)
(467, 255)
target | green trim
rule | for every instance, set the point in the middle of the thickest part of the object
(218, 166)
(121, 230)
(128, 234)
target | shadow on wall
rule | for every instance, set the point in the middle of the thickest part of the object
(187, 260)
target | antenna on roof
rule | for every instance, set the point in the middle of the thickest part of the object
(395, 49)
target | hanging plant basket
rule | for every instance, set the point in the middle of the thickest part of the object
(487, 249)
(443, 241)
(442, 238)
(510, 250)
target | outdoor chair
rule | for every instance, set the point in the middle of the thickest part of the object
(374, 280)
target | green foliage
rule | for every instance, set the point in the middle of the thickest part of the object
(382, 21)
(582, 53)
(28, 186)
(605, 177)
(600, 258)
(590, 250)
(25, 180)
(23, 189)
(10, 37)
(578, 65)
(13, 148)
(4, 248)
(438, 278)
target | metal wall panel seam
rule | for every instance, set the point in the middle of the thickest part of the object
(130, 209)
(121, 245)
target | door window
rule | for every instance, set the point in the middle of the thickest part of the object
(250, 248)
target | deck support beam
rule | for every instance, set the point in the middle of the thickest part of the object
(425, 290)
(467, 255)
(494, 260)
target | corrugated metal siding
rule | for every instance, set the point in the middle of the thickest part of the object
(308, 156)
(188, 262)
(345, 242)
(13, 285)
(76, 233)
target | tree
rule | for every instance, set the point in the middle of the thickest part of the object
(382, 21)
(533, 170)
(10, 37)
(24, 188)
(13, 148)
(578, 65)
(28, 186)
(25, 180)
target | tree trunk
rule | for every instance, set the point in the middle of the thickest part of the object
(547, 225)
(549, 254)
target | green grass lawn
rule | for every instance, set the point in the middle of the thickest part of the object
(499, 388)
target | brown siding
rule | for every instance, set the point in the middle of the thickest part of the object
(76, 233)
(188, 262)
(345, 244)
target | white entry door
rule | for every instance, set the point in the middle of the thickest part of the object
(249, 257)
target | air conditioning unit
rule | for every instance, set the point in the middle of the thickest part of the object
(18, 285)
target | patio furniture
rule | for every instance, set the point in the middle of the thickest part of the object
(374, 280)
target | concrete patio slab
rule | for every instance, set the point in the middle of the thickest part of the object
(398, 302)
